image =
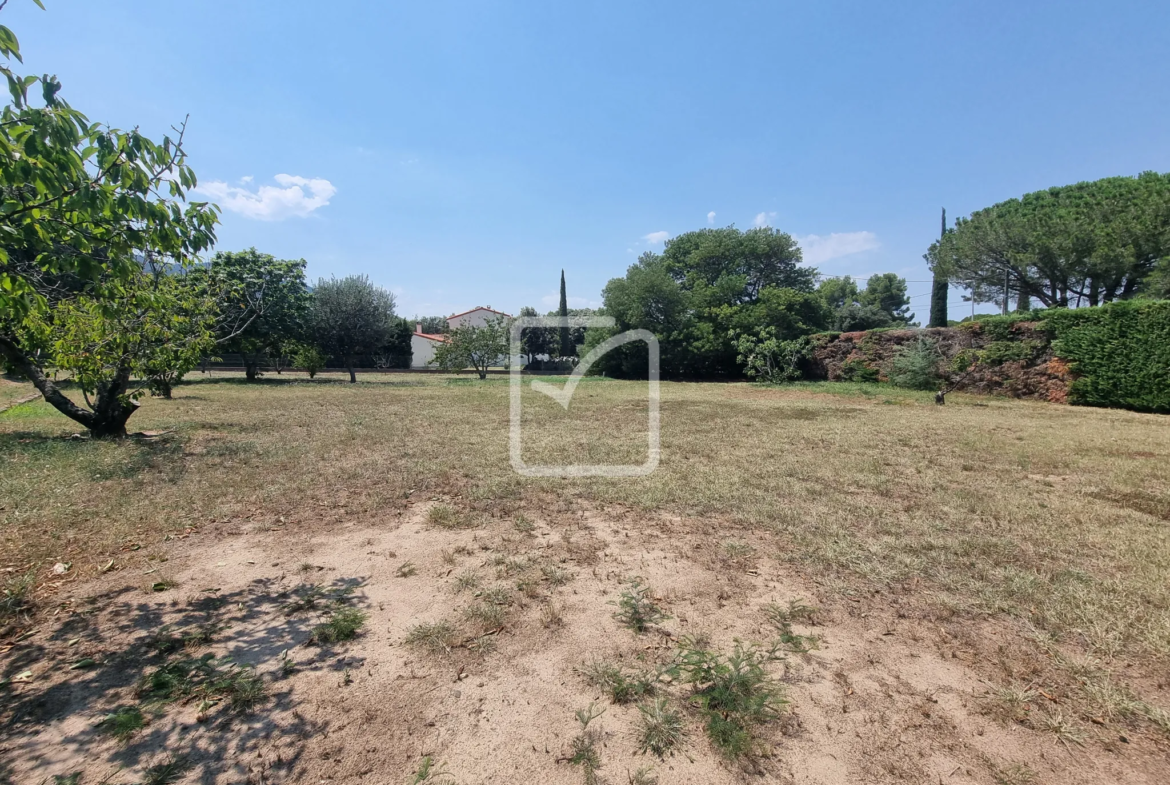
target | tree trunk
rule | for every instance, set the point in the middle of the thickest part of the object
(111, 410)
(352, 375)
(251, 368)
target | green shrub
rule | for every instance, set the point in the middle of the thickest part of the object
(915, 366)
(735, 693)
(856, 369)
(637, 609)
(1000, 352)
(308, 358)
(1119, 352)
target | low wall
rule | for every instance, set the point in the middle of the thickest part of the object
(1018, 359)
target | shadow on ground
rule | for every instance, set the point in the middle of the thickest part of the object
(103, 658)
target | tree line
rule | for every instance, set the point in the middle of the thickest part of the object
(711, 290)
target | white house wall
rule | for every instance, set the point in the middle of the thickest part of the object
(423, 351)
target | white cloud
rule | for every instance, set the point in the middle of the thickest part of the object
(296, 197)
(711, 217)
(821, 248)
(763, 219)
(654, 238)
(246, 179)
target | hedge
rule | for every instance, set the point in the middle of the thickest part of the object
(1120, 353)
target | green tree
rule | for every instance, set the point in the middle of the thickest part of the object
(1157, 285)
(396, 352)
(939, 289)
(350, 318)
(478, 347)
(915, 366)
(733, 266)
(535, 341)
(82, 206)
(839, 292)
(431, 325)
(703, 286)
(881, 304)
(271, 289)
(566, 341)
(887, 293)
(1088, 243)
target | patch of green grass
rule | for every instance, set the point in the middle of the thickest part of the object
(584, 747)
(305, 598)
(620, 686)
(123, 722)
(342, 625)
(523, 524)
(487, 615)
(556, 576)
(429, 773)
(165, 641)
(737, 551)
(169, 771)
(644, 776)
(637, 609)
(496, 595)
(16, 600)
(782, 618)
(735, 693)
(205, 678)
(1015, 774)
(444, 516)
(435, 637)
(467, 581)
(660, 727)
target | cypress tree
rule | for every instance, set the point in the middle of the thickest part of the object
(563, 310)
(938, 291)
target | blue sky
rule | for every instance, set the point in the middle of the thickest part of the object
(462, 153)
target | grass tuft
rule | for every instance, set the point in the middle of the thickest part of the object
(637, 609)
(467, 581)
(660, 728)
(16, 600)
(621, 687)
(342, 625)
(123, 722)
(169, 771)
(444, 516)
(436, 637)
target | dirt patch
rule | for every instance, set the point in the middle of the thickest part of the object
(887, 695)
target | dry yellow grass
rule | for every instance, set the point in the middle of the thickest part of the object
(1053, 515)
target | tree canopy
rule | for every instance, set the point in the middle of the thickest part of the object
(273, 289)
(83, 208)
(705, 289)
(352, 317)
(1088, 243)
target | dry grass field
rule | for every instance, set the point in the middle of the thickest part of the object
(321, 582)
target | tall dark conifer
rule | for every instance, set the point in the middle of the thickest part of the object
(563, 310)
(938, 291)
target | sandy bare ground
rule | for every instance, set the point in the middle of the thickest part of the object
(890, 695)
